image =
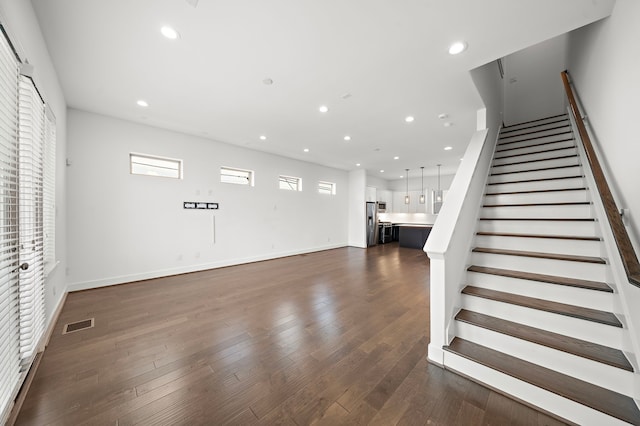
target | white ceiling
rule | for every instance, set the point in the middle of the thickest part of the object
(390, 56)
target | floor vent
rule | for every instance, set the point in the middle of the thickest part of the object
(78, 325)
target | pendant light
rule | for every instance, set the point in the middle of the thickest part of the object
(437, 195)
(422, 193)
(406, 197)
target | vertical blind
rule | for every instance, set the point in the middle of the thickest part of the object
(27, 221)
(31, 128)
(9, 242)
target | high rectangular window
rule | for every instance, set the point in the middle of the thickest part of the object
(328, 188)
(290, 183)
(151, 165)
(236, 176)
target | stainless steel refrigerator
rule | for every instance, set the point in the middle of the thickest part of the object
(372, 224)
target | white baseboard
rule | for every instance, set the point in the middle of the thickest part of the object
(103, 282)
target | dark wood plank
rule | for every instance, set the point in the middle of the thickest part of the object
(539, 255)
(536, 191)
(308, 338)
(534, 145)
(542, 169)
(540, 151)
(603, 400)
(515, 163)
(551, 279)
(561, 117)
(536, 180)
(573, 311)
(582, 348)
(552, 236)
(532, 137)
(571, 203)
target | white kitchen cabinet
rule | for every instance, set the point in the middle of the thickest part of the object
(371, 194)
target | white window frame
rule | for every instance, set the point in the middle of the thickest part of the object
(236, 176)
(156, 170)
(326, 188)
(290, 183)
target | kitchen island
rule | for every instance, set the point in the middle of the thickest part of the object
(412, 235)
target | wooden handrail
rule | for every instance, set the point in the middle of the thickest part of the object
(627, 253)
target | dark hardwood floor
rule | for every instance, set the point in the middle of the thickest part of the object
(335, 337)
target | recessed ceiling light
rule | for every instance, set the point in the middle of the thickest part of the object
(169, 32)
(448, 148)
(263, 138)
(347, 138)
(381, 171)
(267, 81)
(442, 116)
(142, 103)
(306, 150)
(357, 164)
(409, 119)
(401, 176)
(448, 124)
(396, 158)
(323, 108)
(457, 47)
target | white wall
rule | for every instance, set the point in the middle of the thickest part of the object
(532, 83)
(126, 227)
(20, 21)
(604, 64)
(357, 208)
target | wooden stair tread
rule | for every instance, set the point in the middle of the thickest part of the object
(551, 279)
(507, 128)
(533, 138)
(568, 203)
(561, 157)
(573, 311)
(535, 191)
(534, 152)
(611, 403)
(559, 237)
(533, 132)
(540, 169)
(582, 348)
(537, 180)
(543, 219)
(534, 145)
(540, 255)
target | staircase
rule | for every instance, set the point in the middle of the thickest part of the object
(539, 318)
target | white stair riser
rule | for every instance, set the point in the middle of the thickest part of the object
(538, 134)
(534, 146)
(594, 372)
(534, 127)
(528, 140)
(592, 299)
(576, 196)
(549, 171)
(580, 329)
(535, 186)
(576, 211)
(537, 397)
(536, 157)
(585, 229)
(543, 245)
(547, 401)
(561, 268)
